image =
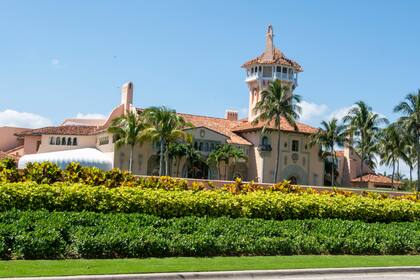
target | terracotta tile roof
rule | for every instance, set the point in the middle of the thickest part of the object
(339, 153)
(223, 126)
(278, 58)
(220, 125)
(375, 178)
(86, 122)
(285, 126)
(60, 130)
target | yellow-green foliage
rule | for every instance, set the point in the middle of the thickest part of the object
(257, 204)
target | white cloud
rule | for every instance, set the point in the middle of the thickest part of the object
(55, 61)
(311, 111)
(23, 119)
(90, 116)
(340, 113)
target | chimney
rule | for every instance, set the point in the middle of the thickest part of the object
(127, 95)
(269, 44)
(231, 115)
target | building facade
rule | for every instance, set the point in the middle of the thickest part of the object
(89, 142)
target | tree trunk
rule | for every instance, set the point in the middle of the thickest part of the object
(161, 157)
(361, 168)
(226, 165)
(411, 176)
(233, 169)
(418, 161)
(276, 170)
(333, 166)
(130, 164)
(393, 172)
(166, 162)
(218, 170)
(178, 163)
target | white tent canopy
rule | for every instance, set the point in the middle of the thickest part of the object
(88, 157)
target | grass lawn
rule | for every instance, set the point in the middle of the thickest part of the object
(118, 266)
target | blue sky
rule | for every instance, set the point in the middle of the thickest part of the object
(64, 58)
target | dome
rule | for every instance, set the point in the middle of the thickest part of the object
(88, 157)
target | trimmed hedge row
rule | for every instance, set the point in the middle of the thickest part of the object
(50, 235)
(258, 204)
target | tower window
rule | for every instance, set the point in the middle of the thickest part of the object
(264, 141)
(295, 145)
(74, 141)
(278, 69)
(63, 141)
(267, 72)
(259, 68)
(57, 141)
(69, 141)
(52, 141)
(284, 70)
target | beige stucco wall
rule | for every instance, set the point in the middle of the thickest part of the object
(82, 142)
(8, 140)
(308, 166)
(31, 144)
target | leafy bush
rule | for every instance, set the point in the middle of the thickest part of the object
(163, 203)
(8, 171)
(50, 235)
(42, 173)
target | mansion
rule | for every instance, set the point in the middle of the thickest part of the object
(88, 141)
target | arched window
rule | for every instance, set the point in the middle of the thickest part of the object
(69, 141)
(74, 141)
(57, 141)
(52, 142)
(63, 141)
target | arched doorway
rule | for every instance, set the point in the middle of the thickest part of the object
(196, 170)
(294, 173)
(293, 180)
(153, 166)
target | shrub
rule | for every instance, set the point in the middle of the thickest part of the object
(42, 173)
(257, 204)
(51, 235)
(8, 171)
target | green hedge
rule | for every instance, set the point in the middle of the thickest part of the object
(49, 235)
(258, 204)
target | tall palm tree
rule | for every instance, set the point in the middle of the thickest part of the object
(225, 153)
(216, 157)
(392, 148)
(236, 154)
(165, 126)
(127, 129)
(177, 151)
(363, 125)
(192, 157)
(410, 108)
(329, 135)
(277, 102)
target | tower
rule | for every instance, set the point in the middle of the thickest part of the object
(269, 66)
(127, 96)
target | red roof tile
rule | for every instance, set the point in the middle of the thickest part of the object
(60, 130)
(278, 58)
(285, 126)
(375, 178)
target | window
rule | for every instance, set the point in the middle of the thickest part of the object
(259, 69)
(104, 140)
(252, 70)
(57, 141)
(295, 145)
(278, 69)
(63, 141)
(74, 141)
(52, 142)
(69, 141)
(284, 70)
(38, 144)
(264, 141)
(267, 72)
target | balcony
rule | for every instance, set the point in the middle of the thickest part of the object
(264, 148)
(257, 76)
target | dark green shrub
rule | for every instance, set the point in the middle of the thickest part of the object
(8, 171)
(50, 235)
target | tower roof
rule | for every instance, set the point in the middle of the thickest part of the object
(272, 55)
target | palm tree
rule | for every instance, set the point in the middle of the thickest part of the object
(410, 108)
(363, 124)
(329, 135)
(178, 151)
(192, 157)
(392, 148)
(216, 157)
(126, 129)
(165, 126)
(277, 103)
(236, 154)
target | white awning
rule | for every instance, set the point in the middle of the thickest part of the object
(88, 157)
